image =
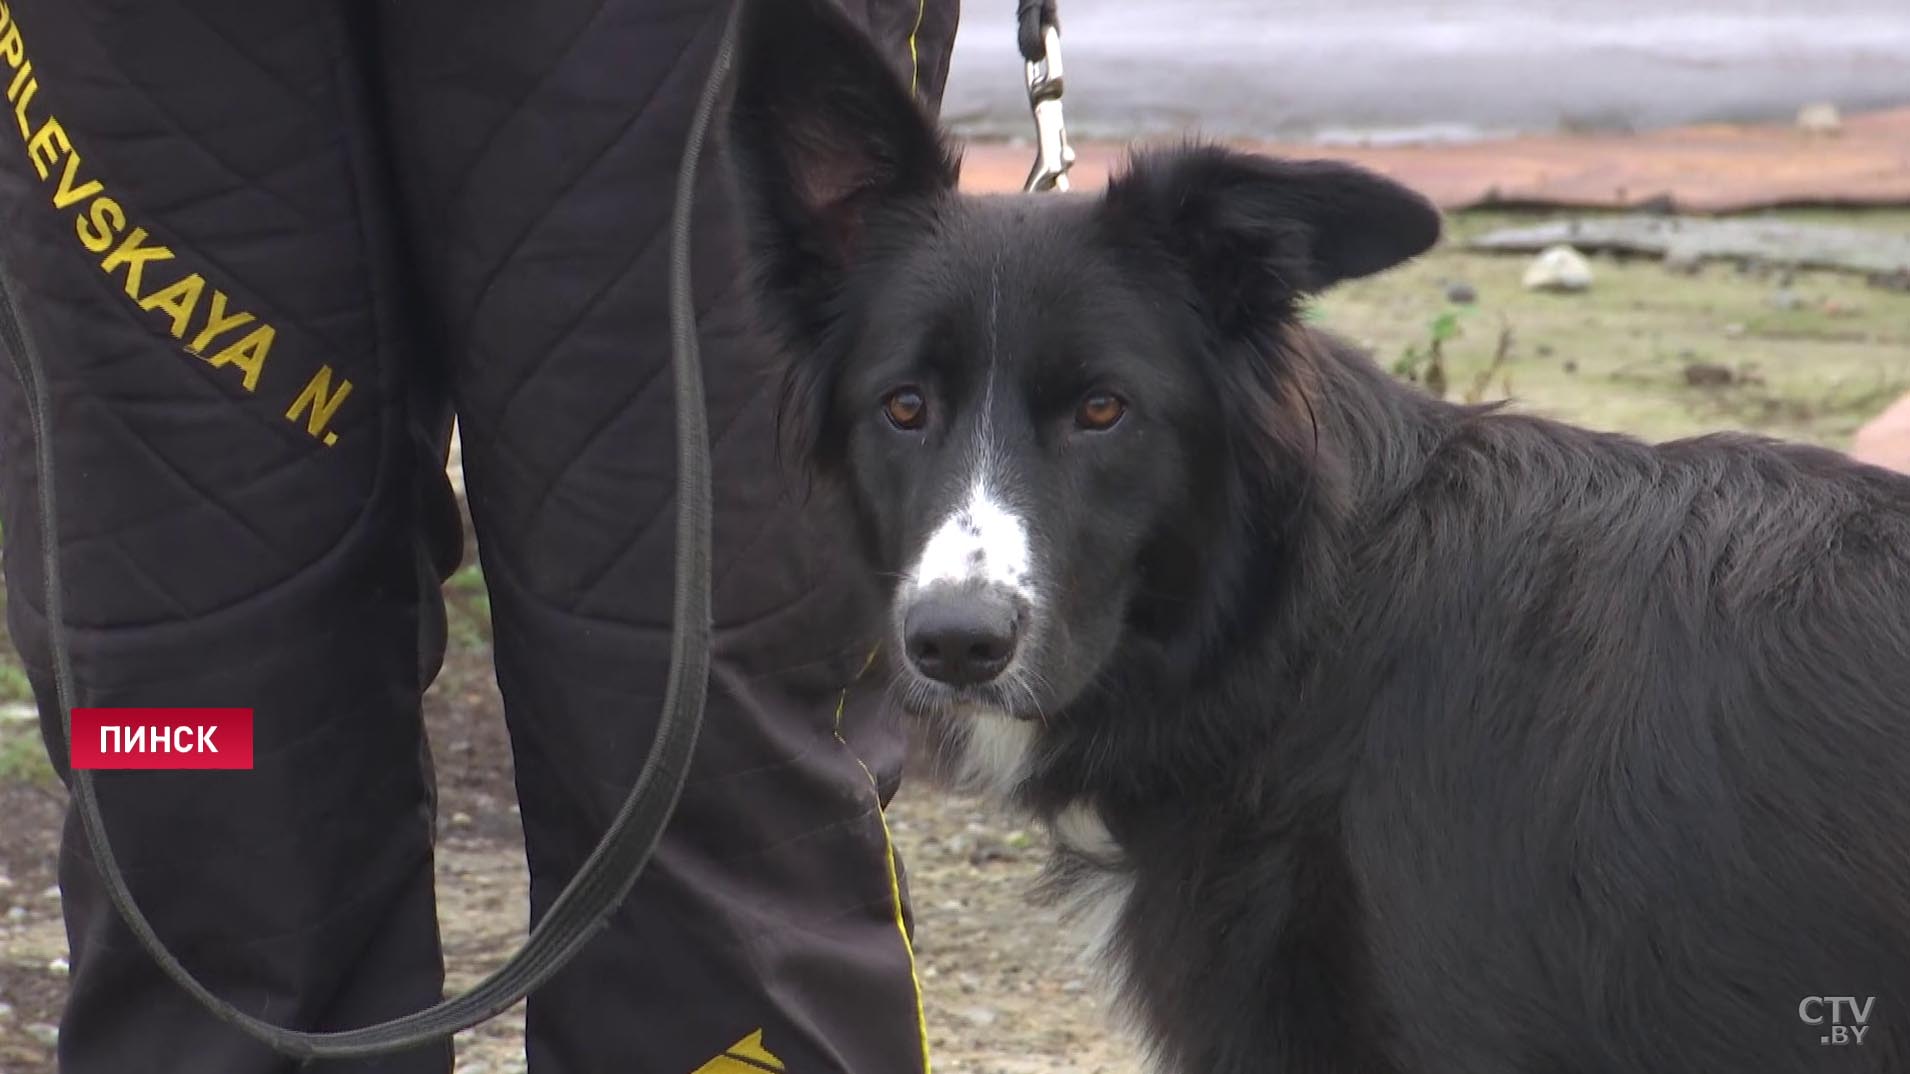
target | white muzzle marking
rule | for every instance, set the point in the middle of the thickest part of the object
(981, 542)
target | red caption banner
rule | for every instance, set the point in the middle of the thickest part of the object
(151, 739)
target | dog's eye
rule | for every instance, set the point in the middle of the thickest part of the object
(1099, 411)
(905, 408)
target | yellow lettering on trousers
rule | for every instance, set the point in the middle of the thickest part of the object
(106, 218)
(322, 402)
(217, 323)
(180, 300)
(40, 148)
(104, 229)
(134, 253)
(66, 194)
(249, 354)
(26, 94)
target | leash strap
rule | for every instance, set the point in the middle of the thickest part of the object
(612, 868)
(1032, 20)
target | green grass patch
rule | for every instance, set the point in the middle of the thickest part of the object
(14, 686)
(467, 607)
(23, 756)
(1645, 351)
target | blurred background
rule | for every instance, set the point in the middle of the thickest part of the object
(1665, 217)
(1391, 70)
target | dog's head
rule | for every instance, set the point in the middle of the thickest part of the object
(1047, 413)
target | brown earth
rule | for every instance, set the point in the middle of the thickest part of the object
(1713, 168)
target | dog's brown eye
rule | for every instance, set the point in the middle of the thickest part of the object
(905, 408)
(1100, 411)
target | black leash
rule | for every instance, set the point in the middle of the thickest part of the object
(1033, 19)
(607, 876)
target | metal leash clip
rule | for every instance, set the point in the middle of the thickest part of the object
(1053, 155)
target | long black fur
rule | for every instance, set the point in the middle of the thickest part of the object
(1433, 738)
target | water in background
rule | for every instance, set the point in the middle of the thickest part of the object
(1393, 70)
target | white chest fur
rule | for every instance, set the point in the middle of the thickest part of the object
(1091, 880)
(1094, 883)
(1094, 887)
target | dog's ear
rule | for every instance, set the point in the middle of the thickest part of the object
(1256, 234)
(822, 133)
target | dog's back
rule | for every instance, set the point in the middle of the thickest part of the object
(1636, 778)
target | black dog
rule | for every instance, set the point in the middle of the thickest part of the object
(1378, 734)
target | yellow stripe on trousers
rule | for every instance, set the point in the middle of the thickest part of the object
(895, 878)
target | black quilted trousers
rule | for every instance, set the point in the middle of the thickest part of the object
(265, 250)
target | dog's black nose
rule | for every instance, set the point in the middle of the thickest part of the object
(963, 638)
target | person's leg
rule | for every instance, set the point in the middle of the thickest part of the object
(193, 223)
(540, 148)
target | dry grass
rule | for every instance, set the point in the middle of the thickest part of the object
(1647, 351)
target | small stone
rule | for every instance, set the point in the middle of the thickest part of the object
(17, 913)
(474, 1068)
(1785, 299)
(978, 1016)
(51, 894)
(48, 1035)
(984, 853)
(1734, 330)
(1461, 293)
(1890, 281)
(58, 967)
(5, 881)
(1708, 375)
(6, 1012)
(461, 819)
(1683, 261)
(1559, 269)
(1820, 118)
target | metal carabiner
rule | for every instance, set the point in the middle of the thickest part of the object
(1053, 155)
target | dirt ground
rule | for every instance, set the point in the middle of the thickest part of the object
(1713, 168)
(1662, 354)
